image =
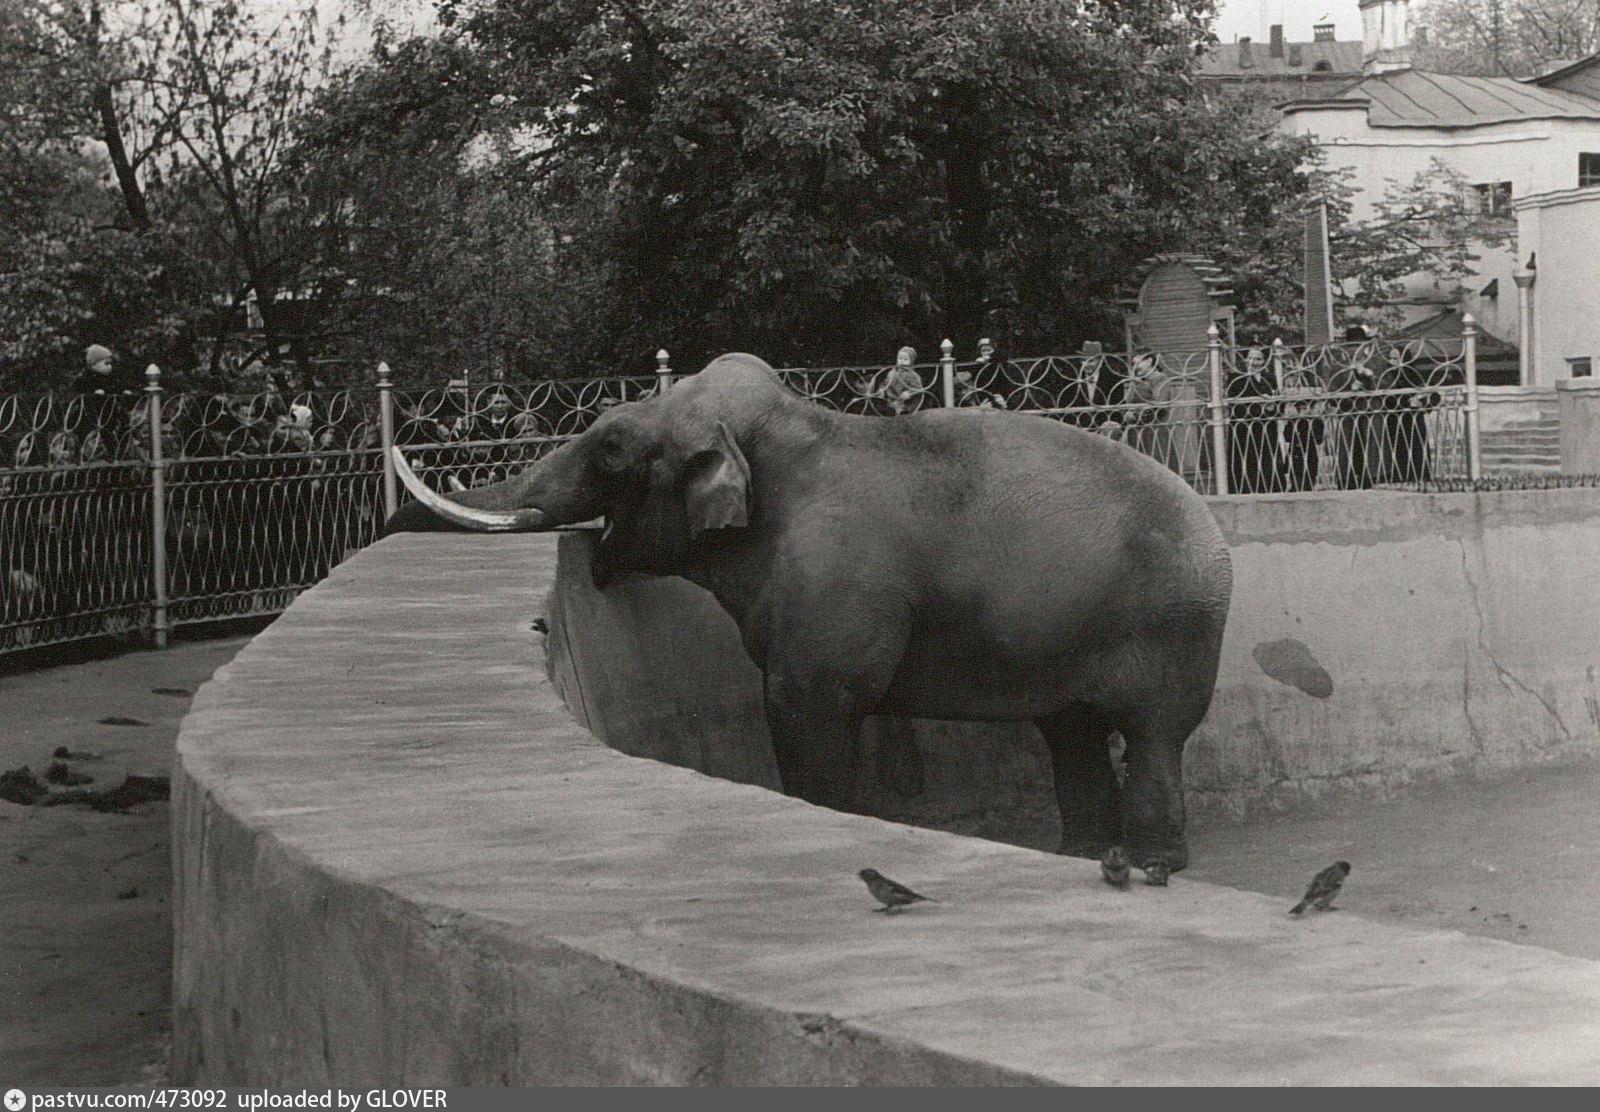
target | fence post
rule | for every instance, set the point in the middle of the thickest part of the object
(1469, 361)
(663, 371)
(158, 507)
(1219, 412)
(391, 492)
(947, 372)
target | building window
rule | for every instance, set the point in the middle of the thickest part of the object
(1494, 198)
(1588, 169)
(1579, 366)
(1323, 66)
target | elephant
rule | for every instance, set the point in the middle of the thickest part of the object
(968, 564)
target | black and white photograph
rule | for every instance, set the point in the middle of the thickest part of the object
(796, 543)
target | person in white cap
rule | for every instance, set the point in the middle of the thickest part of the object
(108, 396)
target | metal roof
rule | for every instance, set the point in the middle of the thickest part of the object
(1411, 98)
(1253, 61)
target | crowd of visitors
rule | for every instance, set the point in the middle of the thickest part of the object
(266, 491)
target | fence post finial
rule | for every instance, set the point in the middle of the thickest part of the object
(663, 371)
(391, 482)
(1469, 370)
(947, 371)
(158, 507)
(1219, 412)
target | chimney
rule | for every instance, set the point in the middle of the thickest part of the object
(1385, 45)
(1245, 61)
(1322, 32)
(1275, 49)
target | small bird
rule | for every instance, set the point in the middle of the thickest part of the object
(1114, 867)
(1324, 887)
(1156, 871)
(891, 894)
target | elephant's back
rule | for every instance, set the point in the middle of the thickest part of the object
(1102, 529)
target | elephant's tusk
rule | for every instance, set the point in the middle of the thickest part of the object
(468, 517)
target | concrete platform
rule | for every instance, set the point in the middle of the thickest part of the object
(399, 861)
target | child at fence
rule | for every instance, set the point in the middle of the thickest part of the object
(104, 396)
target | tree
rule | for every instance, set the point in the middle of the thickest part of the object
(1428, 230)
(1505, 38)
(191, 103)
(818, 182)
(1431, 227)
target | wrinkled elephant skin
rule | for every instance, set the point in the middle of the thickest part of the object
(954, 564)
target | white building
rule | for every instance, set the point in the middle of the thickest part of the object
(1511, 139)
(1560, 231)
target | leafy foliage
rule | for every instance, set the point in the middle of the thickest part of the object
(816, 182)
(192, 102)
(1430, 226)
(1506, 38)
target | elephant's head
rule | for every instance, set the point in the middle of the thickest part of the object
(661, 472)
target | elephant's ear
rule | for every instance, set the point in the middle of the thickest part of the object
(717, 493)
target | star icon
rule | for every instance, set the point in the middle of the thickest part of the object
(16, 1100)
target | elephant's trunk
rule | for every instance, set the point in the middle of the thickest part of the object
(479, 509)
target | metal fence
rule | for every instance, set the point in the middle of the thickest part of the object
(145, 513)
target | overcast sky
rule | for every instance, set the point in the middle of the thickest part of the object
(1252, 17)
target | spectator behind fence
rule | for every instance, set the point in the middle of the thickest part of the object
(900, 383)
(455, 411)
(1357, 435)
(1088, 388)
(1303, 430)
(292, 430)
(498, 424)
(495, 423)
(1253, 463)
(1406, 456)
(105, 393)
(980, 386)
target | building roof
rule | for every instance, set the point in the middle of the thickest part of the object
(1442, 332)
(1253, 61)
(1581, 77)
(1411, 98)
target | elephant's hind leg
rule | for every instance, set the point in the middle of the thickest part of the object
(1153, 795)
(1086, 780)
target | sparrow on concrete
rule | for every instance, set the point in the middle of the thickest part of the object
(1156, 871)
(891, 894)
(1324, 887)
(1114, 867)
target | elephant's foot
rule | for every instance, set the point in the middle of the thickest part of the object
(1143, 851)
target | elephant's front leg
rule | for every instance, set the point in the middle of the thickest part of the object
(816, 738)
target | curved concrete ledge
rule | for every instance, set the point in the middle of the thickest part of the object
(400, 861)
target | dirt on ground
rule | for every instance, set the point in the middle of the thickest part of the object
(86, 926)
(85, 920)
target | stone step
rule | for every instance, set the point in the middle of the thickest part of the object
(1521, 461)
(1552, 429)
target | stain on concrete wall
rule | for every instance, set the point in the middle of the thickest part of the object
(1289, 661)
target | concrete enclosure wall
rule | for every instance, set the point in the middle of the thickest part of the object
(1373, 640)
(1580, 425)
(398, 860)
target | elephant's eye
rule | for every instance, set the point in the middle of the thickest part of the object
(612, 454)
